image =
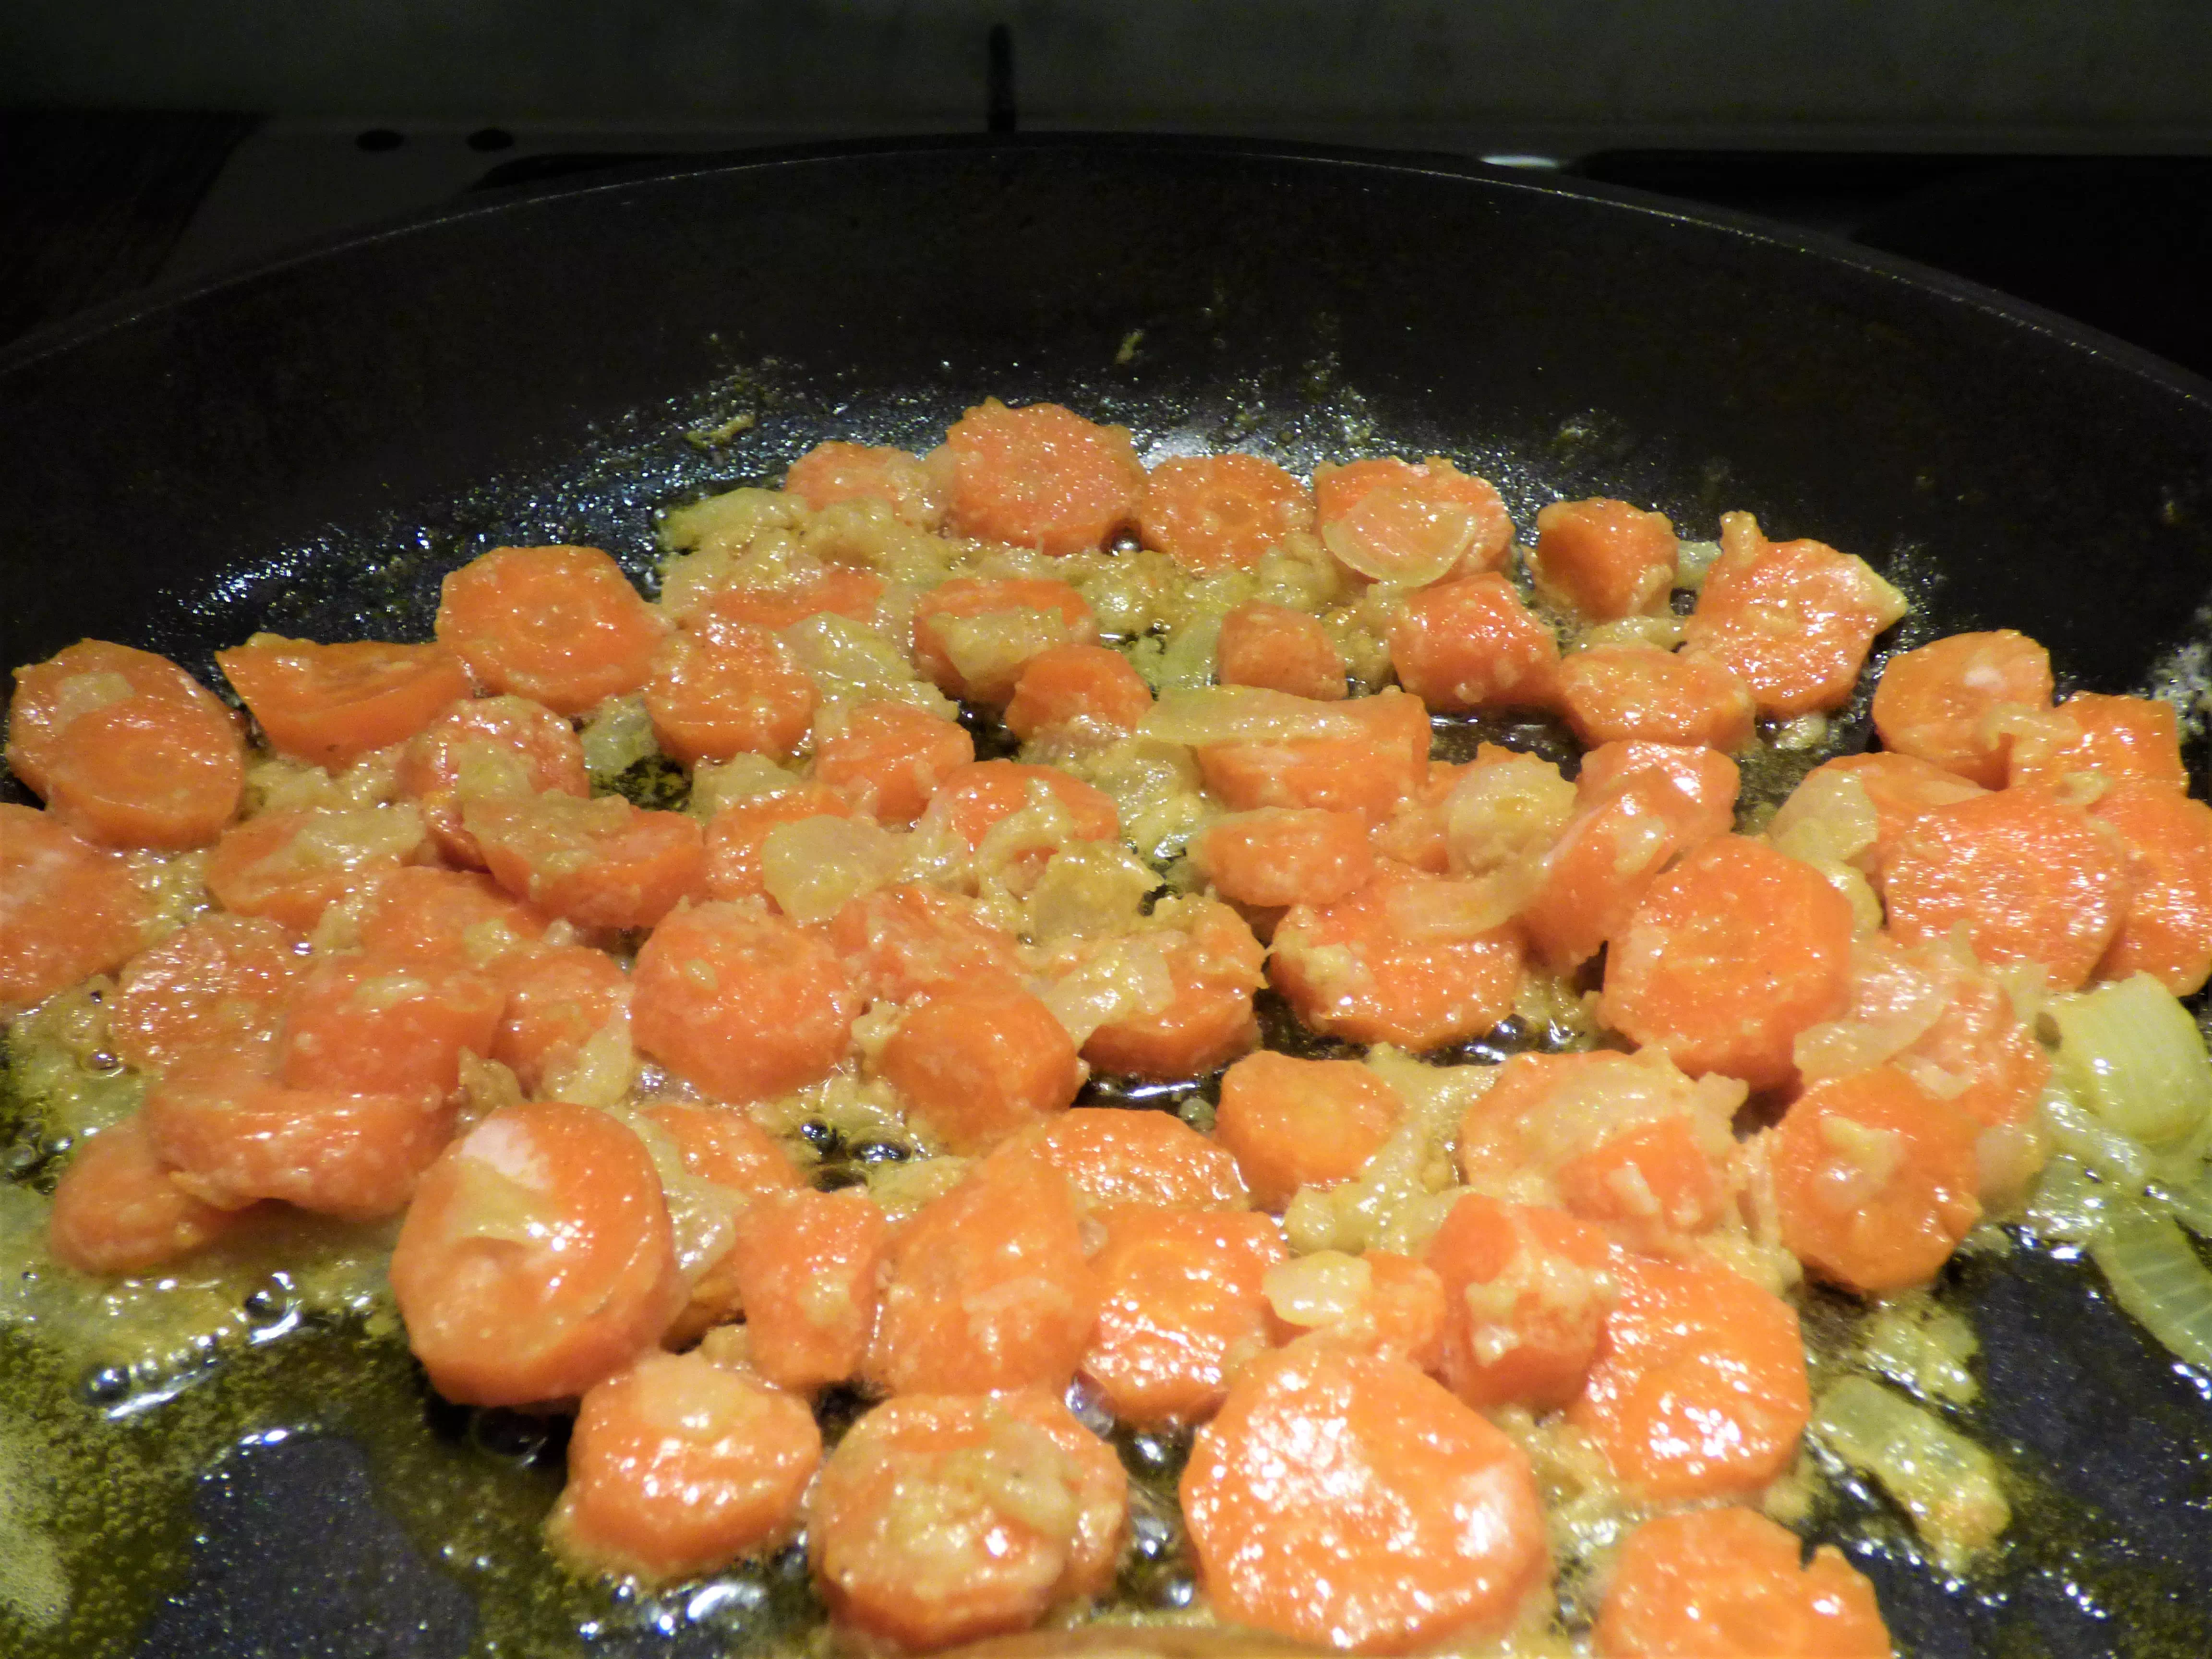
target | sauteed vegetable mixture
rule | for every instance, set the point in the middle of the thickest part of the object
(843, 978)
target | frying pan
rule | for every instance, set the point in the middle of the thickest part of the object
(308, 448)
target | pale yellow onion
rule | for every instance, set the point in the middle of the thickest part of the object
(1243, 713)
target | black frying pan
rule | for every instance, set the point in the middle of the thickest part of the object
(308, 448)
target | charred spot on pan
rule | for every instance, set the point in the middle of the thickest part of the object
(655, 783)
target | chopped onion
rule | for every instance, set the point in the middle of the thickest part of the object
(2131, 1053)
(814, 866)
(1243, 713)
(2071, 1205)
(2190, 1202)
(1945, 1482)
(2116, 1157)
(2149, 1262)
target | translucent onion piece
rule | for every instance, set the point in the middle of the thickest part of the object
(2131, 1053)
(2158, 1277)
(1945, 1482)
(2118, 1157)
(2070, 1206)
(1243, 713)
(813, 867)
(2190, 1202)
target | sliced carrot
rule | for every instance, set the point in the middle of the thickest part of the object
(2137, 739)
(1410, 958)
(1873, 1180)
(720, 1144)
(1040, 476)
(887, 758)
(1603, 559)
(834, 590)
(729, 689)
(118, 1208)
(421, 913)
(974, 798)
(1707, 778)
(1951, 704)
(1369, 773)
(2167, 927)
(1026, 1511)
(1121, 1155)
(980, 1062)
(78, 680)
(506, 746)
(2029, 876)
(1215, 967)
(332, 704)
(600, 863)
(68, 909)
(974, 634)
(987, 1288)
(1181, 1308)
(1526, 1291)
(1280, 649)
(898, 942)
(1639, 693)
(1379, 1304)
(1699, 1388)
(1606, 859)
(218, 983)
(1280, 856)
(1648, 1185)
(832, 472)
(1408, 522)
(292, 864)
(1214, 513)
(1728, 1583)
(1794, 620)
(807, 1266)
(745, 1006)
(370, 1024)
(1900, 788)
(738, 833)
(1083, 691)
(678, 1467)
(1293, 1123)
(1728, 956)
(150, 772)
(1418, 833)
(1470, 643)
(235, 1136)
(537, 1259)
(561, 625)
(1350, 1502)
(558, 1000)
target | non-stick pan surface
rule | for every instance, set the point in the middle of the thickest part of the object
(308, 448)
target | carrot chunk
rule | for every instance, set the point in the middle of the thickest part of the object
(218, 983)
(1952, 702)
(1470, 643)
(738, 833)
(987, 1288)
(235, 1136)
(898, 942)
(974, 634)
(1526, 1294)
(832, 472)
(1280, 856)
(118, 1208)
(1025, 1509)
(1378, 1303)
(1699, 1388)
(2167, 927)
(1122, 1155)
(834, 590)
(1632, 693)
(537, 1259)
(807, 1266)
(369, 1024)
(888, 759)
(1215, 967)
(558, 1000)
(1603, 559)
(68, 909)
(1292, 1123)
(720, 1144)
(1350, 1502)
(729, 689)
(332, 704)
(1899, 788)
(561, 625)
(1215, 513)
(1040, 476)
(1410, 958)
(80, 679)
(974, 800)
(1707, 778)
(292, 864)
(978, 1062)
(151, 772)
(1874, 1179)
(2129, 738)
(1369, 773)
(1794, 620)
(2030, 877)
(506, 746)
(745, 1006)
(1728, 956)
(1181, 1308)
(678, 1467)
(600, 863)
(1281, 649)
(1728, 1583)
(1086, 692)
(1613, 849)
(1408, 522)
(421, 913)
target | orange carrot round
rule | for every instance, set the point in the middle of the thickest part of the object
(332, 704)
(1728, 1583)
(367, 1024)
(729, 689)
(2166, 928)
(118, 1208)
(1215, 968)
(974, 798)
(1410, 522)
(1040, 476)
(1946, 703)
(219, 983)
(153, 771)
(293, 864)
(2134, 739)
(51, 695)
(1900, 788)
(488, 746)
(1370, 773)
(1606, 859)
(978, 1062)
(1639, 693)
(739, 833)
(974, 634)
(1526, 1290)
(1181, 1308)
(1281, 856)
(418, 913)
(1604, 559)
(557, 999)
(561, 625)
(1123, 1154)
(806, 1265)
(1470, 643)
(887, 758)
(1281, 649)
(600, 863)
(68, 909)
(1083, 691)
(1293, 1123)
(1214, 513)
(898, 942)
(834, 590)
(834, 472)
